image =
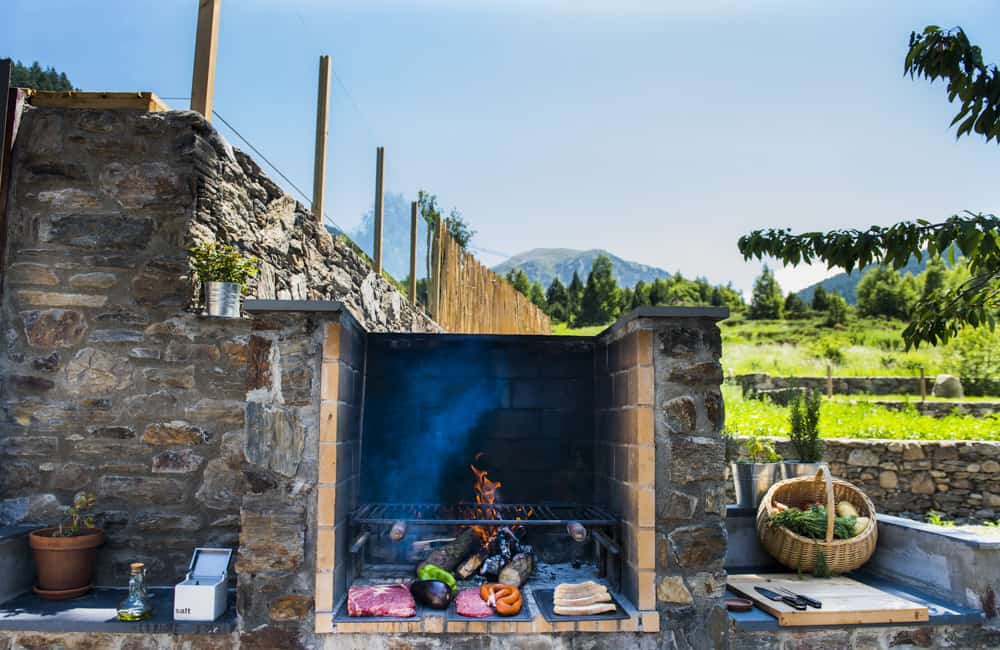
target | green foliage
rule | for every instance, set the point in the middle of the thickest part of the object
(803, 419)
(936, 518)
(537, 296)
(812, 523)
(829, 348)
(842, 419)
(822, 568)
(575, 295)
(599, 303)
(933, 278)
(974, 356)
(767, 301)
(77, 518)
(795, 307)
(761, 450)
(519, 280)
(455, 223)
(836, 311)
(820, 299)
(557, 301)
(213, 263)
(884, 292)
(36, 78)
(948, 54)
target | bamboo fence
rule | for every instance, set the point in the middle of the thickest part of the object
(465, 297)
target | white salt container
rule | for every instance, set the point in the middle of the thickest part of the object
(203, 595)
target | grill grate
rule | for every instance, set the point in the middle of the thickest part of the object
(497, 514)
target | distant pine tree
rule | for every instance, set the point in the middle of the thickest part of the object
(557, 301)
(36, 78)
(537, 295)
(795, 307)
(821, 299)
(575, 295)
(767, 301)
(599, 304)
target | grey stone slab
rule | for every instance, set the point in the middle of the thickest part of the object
(97, 612)
(259, 306)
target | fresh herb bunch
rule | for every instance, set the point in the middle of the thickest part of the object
(804, 421)
(811, 523)
(212, 263)
(76, 518)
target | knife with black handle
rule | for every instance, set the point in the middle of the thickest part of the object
(812, 602)
(794, 603)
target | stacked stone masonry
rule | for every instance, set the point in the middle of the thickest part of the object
(956, 478)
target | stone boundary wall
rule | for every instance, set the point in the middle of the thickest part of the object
(939, 409)
(958, 478)
(841, 385)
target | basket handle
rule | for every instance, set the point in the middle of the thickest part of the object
(823, 474)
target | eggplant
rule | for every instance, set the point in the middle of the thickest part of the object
(432, 593)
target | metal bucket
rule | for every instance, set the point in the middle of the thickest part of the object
(795, 469)
(222, 299)
(751, 481)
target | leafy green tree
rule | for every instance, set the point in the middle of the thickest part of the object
(974, 355)
(575, 296)
(884, 292)
(767, 301)
(36, 78)
(836, 311)
(820, 299)
(599, 304)
(659, 292)
(933, 54)
(934, 277)
(640, 294)
(557, 299)
(519, 279)
(795, 307)
(537, 296)
(717, 299)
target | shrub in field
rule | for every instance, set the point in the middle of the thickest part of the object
(830, 348)
(803, 417)
(836, 312)
(974, 355)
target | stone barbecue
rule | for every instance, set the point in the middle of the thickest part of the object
(280, 433)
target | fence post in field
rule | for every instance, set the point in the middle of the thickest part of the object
(923, 386)
(829, 381)
(203, 78)
(322, 132)
(413, 253)
(379, 169)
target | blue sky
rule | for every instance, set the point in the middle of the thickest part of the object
(661, 131)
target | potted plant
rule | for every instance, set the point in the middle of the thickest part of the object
(223, 272)
(65, 555)
(804, 421)
(753, 477)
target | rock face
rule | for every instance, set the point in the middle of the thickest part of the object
(110, 384)
(947, 386)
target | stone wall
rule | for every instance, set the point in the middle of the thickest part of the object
(958, 478)
(841, 385)
(663, 391)
(110, 383)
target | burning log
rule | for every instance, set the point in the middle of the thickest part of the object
(492, 566)
(517, 570)
(577, 531)
(448, 556)
(398, 531)
(472, 563)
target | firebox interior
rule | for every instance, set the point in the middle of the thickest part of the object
(521, 408)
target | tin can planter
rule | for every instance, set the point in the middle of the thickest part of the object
(65, 564)
(752, 480)
(223, 299)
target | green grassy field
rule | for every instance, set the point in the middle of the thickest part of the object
(840, 420)
(862, 347)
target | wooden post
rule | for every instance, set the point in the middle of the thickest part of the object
(923, 386)
(203, 79)
(829, 381)
(6, 74)
(322, 132)
(414, 209)
(379, 169)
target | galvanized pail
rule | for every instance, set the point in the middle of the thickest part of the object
(222, 299)
(751, 481)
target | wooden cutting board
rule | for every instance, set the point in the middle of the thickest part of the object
(845, 601)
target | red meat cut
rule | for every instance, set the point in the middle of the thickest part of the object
(380, 600)
(469, 603)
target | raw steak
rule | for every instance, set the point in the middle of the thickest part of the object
(380, 600)
(469, 603)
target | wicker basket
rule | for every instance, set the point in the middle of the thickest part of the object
(798, 552)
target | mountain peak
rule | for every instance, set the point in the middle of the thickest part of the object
(545, 264)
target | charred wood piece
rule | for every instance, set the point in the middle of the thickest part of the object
(518, 570)
(448, 556)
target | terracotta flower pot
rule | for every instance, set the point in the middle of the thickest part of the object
(65, 564)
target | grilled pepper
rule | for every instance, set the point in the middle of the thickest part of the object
(432, 572)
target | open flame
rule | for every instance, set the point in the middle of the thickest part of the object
(486, 495)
